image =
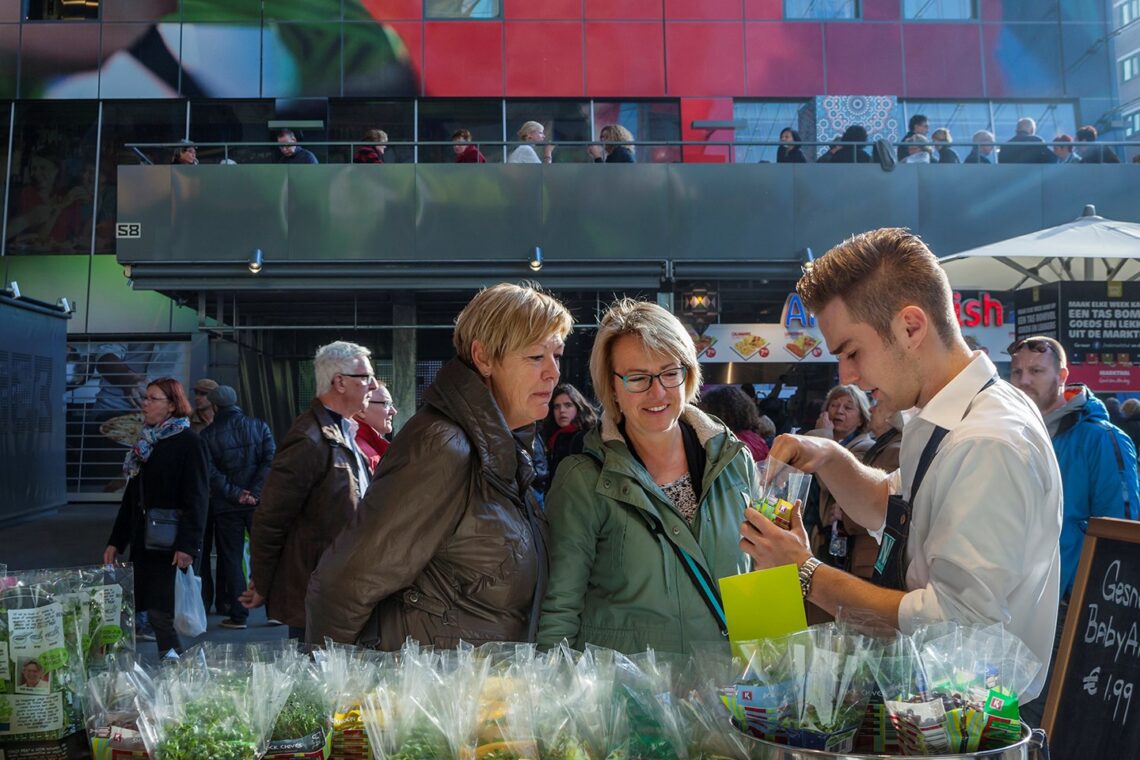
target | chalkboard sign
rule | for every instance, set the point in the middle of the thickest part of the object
(1093, 708)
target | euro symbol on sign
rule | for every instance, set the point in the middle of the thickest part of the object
(1089, 684)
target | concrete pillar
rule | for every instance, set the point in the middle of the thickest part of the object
(403, 386)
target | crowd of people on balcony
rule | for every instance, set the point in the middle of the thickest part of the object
(919, 146)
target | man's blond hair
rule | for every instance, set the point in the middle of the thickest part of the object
(659, 331)
(507, 317)
(877, 274)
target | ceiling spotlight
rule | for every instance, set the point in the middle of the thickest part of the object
(65, 305)
(13, 289)
(127, 271)
(256, 261)
(536, 259)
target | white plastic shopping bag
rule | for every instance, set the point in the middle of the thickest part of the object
(189, 611)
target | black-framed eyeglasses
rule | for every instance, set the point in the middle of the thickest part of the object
(640, 383)
(1036, 345)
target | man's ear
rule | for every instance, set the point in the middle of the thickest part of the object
(910, 326)
(1064, 373)
(480, 358)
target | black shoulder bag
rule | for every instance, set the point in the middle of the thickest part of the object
(160, 526)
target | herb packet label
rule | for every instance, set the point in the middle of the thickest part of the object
(109, 602)
(28, 714)
(34, 632)
(5, 667)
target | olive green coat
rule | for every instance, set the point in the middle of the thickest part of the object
(613, 582)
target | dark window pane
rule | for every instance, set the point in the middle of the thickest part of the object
(233, 121)
(764, 121)
(349, 119)
(440, 119)
(58, 10)
(563, 119)
(462, 8)
(646, 121)
(53, 177)
(131, 122)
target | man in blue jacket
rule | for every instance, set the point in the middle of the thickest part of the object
(1097, 459)
(240, 451)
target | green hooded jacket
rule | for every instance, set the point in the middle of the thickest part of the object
(613, 582)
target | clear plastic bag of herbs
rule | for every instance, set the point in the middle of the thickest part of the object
(42, 677)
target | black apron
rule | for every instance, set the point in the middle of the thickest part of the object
(891, 564)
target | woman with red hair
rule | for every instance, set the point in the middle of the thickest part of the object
(165, 469)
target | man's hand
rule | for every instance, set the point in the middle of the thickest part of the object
(823, 422)
(805, 453)
(770, 545)
(595, 150)
(110, 555)
(247, 498)
(548, 152)
(183, 560)
(250, 598)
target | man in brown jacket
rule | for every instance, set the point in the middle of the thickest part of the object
(317, 479)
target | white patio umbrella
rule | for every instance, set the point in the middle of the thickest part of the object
(1091, 248)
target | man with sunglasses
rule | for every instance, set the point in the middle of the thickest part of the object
(1097, 459)
(969, 523)
(317, 478)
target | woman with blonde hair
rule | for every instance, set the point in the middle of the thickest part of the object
(647, 518)
(448, 544)
(531, 132)
(943, 153)
(612, 136)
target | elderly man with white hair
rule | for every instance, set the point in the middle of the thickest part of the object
(317, 479)
(1025, 147)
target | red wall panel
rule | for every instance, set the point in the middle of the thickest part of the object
(942, 60)
(544, 59)
(542, 9)
(625, 60)
(623, 9)
(463, 58)
(784, 60)
(704, 58)
(881, 10)
(699, 109)
(398, 10)
(705, 10)
(863, 59)
(764, 9)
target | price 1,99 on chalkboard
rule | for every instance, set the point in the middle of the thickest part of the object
(1090, 710)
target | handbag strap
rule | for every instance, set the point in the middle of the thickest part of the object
(704, 583)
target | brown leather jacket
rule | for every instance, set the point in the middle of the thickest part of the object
(448, 544)
(309, 497)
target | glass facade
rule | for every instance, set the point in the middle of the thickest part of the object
(485, 9)
(821, 9)
(940, 10)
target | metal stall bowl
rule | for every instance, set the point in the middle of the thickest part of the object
(1032, 746)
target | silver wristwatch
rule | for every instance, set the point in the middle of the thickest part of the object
(807, 570)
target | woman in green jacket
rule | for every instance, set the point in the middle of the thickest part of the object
(644, 522)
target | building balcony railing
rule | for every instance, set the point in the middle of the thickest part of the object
(423, 225)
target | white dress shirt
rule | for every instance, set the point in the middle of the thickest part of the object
(985, 530)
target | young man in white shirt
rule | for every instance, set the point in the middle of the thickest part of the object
(985, 523)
